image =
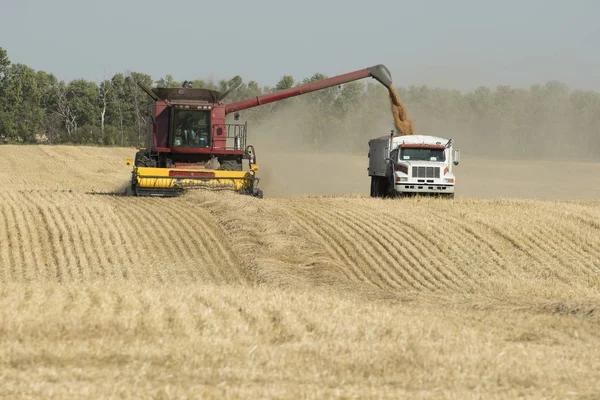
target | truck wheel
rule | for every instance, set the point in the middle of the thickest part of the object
(379, 186)
(375, 186)
(372, 192)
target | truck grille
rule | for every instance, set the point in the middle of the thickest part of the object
(426, 172)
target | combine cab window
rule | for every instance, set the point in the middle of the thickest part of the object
(191, 128)
(422, 155)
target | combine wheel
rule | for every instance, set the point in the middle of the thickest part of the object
(143, 159)
(129, 191)
(132, 190)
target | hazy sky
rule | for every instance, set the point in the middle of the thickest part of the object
(453, 44)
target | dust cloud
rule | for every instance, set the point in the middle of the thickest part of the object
(301, 150)
(293, 162)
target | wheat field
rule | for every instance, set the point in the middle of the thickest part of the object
(217, 295)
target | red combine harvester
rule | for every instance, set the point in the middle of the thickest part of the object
(189, 144)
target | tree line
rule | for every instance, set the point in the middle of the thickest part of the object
(543, 121)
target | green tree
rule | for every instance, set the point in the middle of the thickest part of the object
(202, 84)
(117, 107)
(4, 62)
(349, 98)
(22, 116)
(168, 82)
(139, 104)
(84, 96)
(286, 82)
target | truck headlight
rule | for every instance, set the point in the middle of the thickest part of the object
(402, 179)
(448, 180)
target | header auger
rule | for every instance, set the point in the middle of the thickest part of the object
(189, 144)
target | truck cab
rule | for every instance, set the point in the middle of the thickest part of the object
(412, 164)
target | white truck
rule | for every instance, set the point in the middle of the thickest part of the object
(412, 164)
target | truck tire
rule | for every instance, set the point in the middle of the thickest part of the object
(374, 186)
(373, 192)
(379, 186)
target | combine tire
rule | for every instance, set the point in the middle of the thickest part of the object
(143, 159)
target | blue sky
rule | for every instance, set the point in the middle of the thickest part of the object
(458, 44)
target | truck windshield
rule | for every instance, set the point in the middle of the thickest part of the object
(191, 128)
(422, 154)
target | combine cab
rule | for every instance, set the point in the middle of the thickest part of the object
(189, 144)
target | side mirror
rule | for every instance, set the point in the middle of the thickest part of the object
(456, 157)
(388, 160)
